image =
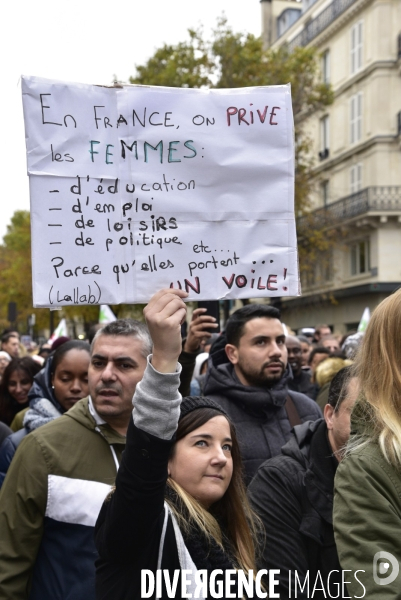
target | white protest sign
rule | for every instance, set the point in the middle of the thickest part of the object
(138, 188)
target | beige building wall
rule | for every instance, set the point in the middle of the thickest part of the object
(374, 160)
(389, 263)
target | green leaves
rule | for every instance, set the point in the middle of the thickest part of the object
(16, 286)
(185, 65)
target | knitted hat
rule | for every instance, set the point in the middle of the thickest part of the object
(191, 403)
(60, 341)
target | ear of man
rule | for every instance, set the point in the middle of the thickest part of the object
(328, 415)
(232, 353)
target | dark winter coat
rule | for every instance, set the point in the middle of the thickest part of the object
(5, 431)
(302, 383)
(293, 495)
(122, 557)
(136, 509)
(258, 414)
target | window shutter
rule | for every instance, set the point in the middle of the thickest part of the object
(359, 46)
(352, 120)
(359, 118)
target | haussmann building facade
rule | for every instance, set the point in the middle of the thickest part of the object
(357, 151)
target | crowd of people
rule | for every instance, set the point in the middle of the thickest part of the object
(257, 451)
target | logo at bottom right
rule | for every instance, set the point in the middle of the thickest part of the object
(382, 561)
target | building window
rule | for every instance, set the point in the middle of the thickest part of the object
(326, 66)
(356, 118)
(356, 47)
(286, 19)
(324, 137)
(306, 4)
(310, 279)
(326, 266)
(319, 273)
(324, 190)
(360, 257)
(355, 178)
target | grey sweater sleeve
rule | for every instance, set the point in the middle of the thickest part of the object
(157, 402)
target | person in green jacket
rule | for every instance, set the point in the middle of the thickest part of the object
(367, 504)
(62, 472)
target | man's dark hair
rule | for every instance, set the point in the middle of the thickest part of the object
(318, 350)
(128, 327)
(338, 389)
(10, 330)
(236, 323)
(6, 336)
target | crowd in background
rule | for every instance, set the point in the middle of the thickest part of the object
(306, 352)
(288, 397)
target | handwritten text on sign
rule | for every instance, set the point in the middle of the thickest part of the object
(138, 188)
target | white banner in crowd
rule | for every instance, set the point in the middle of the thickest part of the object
(136, 188)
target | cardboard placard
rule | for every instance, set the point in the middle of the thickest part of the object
(136, 188)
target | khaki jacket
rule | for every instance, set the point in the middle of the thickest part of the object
(49, 503)
(367, 520)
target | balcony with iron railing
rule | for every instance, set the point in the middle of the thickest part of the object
(376, 201)
(314, 27)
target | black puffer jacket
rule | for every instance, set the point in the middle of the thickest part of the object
(302, 384)
(293, 495)
(258, 414)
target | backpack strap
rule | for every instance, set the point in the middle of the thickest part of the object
(292, 412)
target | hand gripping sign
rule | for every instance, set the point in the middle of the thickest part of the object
(135, 188)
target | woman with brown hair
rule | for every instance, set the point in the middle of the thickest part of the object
(55, 389)
(15, 384)
(367, 506)
(179, 501)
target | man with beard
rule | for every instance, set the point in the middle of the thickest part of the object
(249, 378)
(62, 472)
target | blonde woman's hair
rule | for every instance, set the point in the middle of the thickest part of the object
(329, 367)
(377, 414)
(243, 527)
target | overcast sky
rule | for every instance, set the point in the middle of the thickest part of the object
(87, 41)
